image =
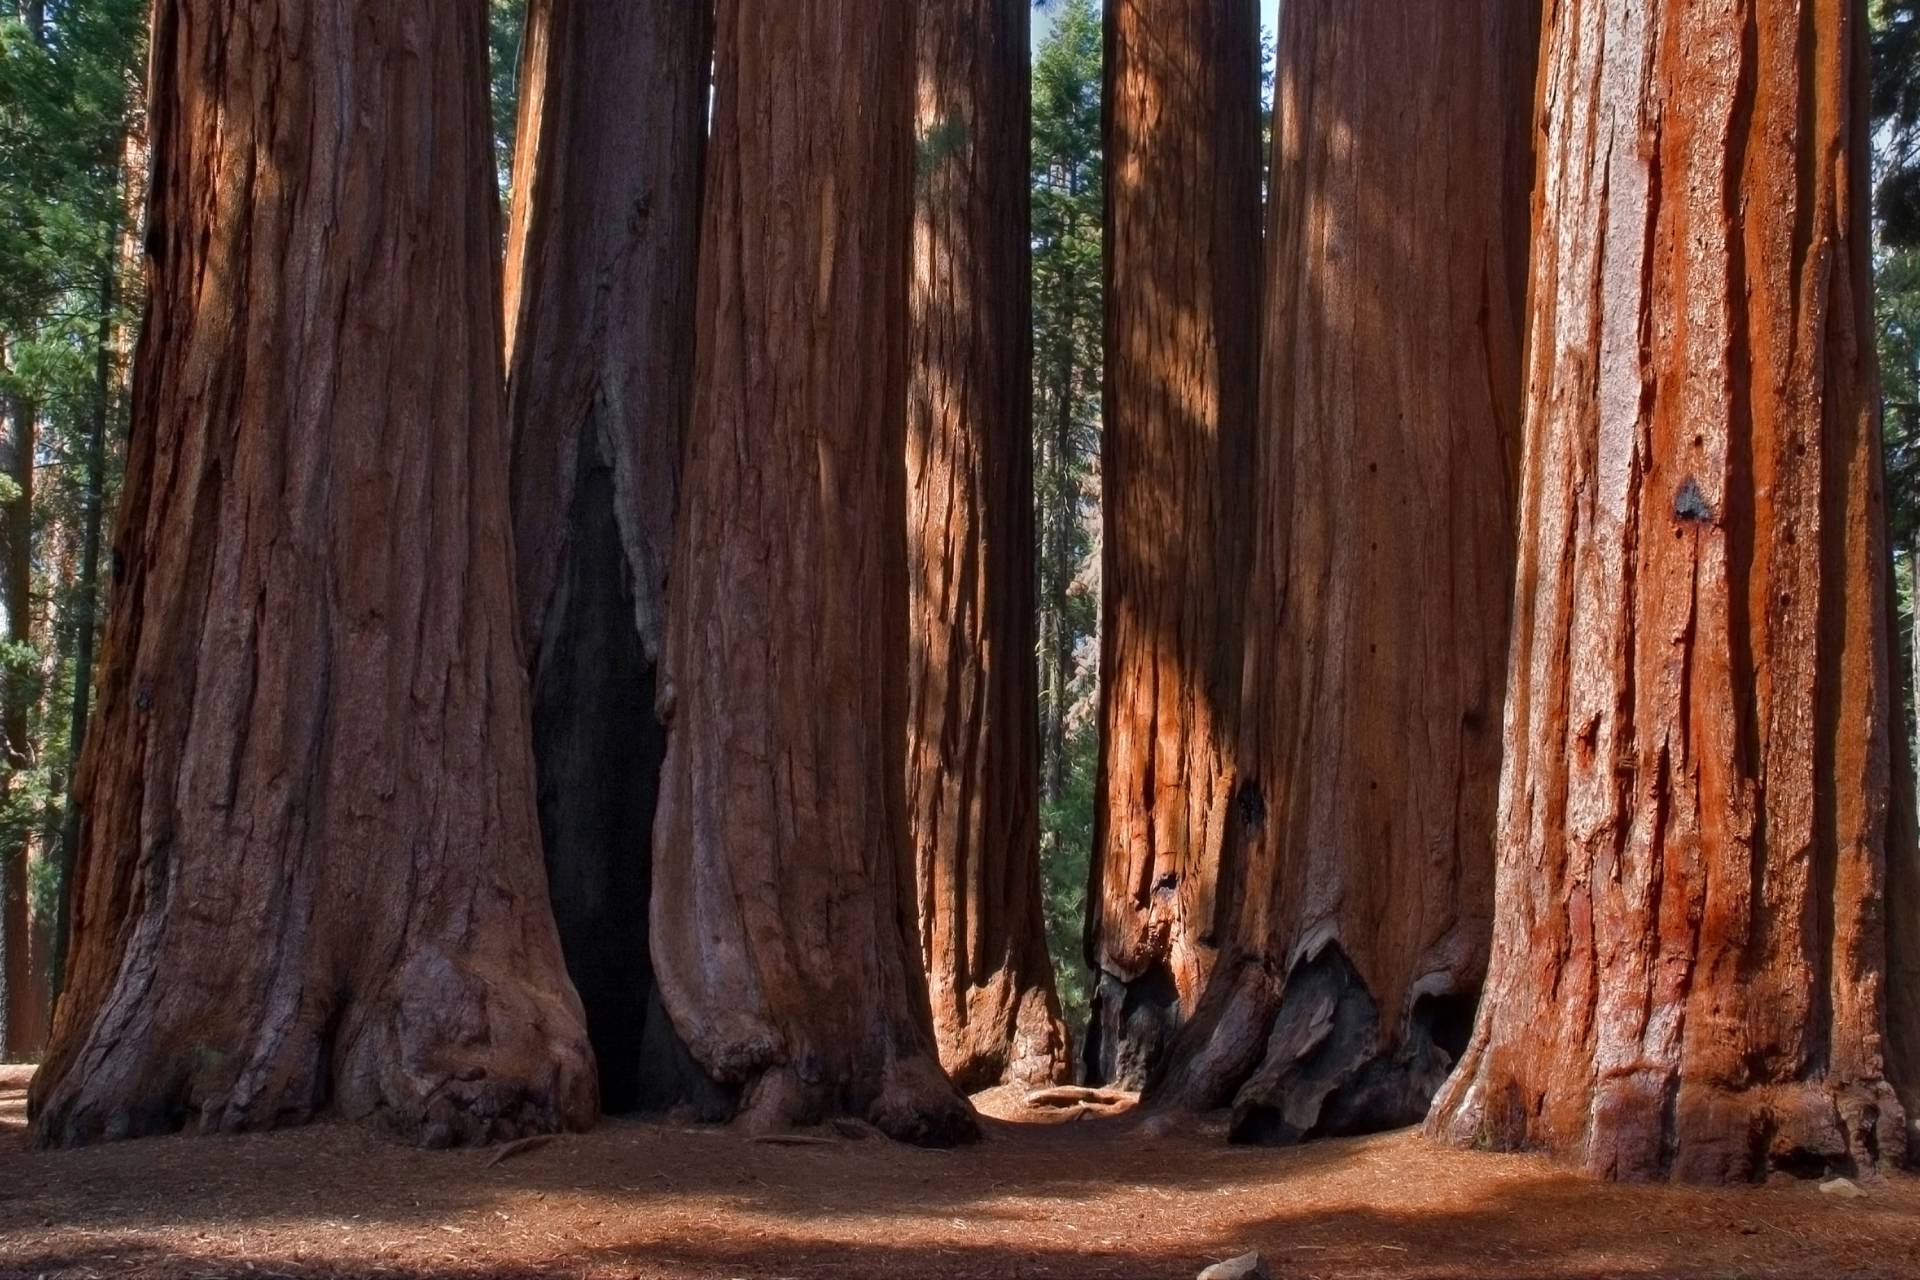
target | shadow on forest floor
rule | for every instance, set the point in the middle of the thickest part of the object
(1084, 1200)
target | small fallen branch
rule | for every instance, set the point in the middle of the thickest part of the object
(854, 1129)
(1071, 1095)
(503, 1154)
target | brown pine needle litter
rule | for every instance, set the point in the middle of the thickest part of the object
(1092, 1200)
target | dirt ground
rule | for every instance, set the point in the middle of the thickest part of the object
(1066, 1201)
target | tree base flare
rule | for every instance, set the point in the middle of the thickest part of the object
(1646, 1125)
(1012, 1034)
(1307, 1057)
(916, 1105)
(456, 1059)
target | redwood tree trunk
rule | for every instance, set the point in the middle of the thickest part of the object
(784, 935)
(1358, 890)
(600, 277)
(308, 874)
(973, 711)
(1182, 296)
(1690, 946)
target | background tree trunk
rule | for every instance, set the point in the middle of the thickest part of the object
(308, 871)
(1903, 905)
(1182, 297)
(1358, 890)
(87, 595)
(113, 377)
(1689, 951)
(17, 430)
(973, 709)
(601, 257)
(18, 693)
(784, 937)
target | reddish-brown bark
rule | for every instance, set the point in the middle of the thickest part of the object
(1182, 298)
(973, 708)
(36, 1016)
(308, 875)
(784, 934)
(601, 256)
(1687, 975)
(1357, 889)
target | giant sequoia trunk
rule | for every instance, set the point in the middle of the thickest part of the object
(599, 307)
(1358, 887)
(973, 711)
(784, 937)
(1690, 943)
(1182, 297)
(309, 873)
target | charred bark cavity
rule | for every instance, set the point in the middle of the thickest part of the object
(1317, 1061)
(598, 746)
(1132, 1023)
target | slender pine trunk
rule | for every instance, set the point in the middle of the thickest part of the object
(19, 692)
(86, 603)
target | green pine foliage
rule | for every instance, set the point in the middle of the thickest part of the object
(1895, 89)
(71, 76)
(1067, 326)
(506, 21)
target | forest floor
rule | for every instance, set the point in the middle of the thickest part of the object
(1063, 1201)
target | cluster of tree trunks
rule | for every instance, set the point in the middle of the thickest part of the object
(1182, 103)
(972, 702)
(307, 875)
(767, 681)
(308, 869)
(1689, 951)
(1356, 890)
(600, 274)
